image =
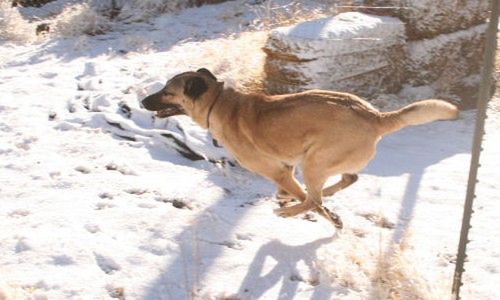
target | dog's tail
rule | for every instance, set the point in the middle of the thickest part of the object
(417, 113)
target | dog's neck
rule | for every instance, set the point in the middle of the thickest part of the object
(222, 116)
(202, 110)
(211, 107)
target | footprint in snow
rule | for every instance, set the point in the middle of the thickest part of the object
(120, 168)
(177, 203)
(62, 260)
(230, 244)
(82, 169)
(103, 205)
(158, 248)
(106, 263)
(16, 213)
(146, 205)
(313, 281)
(26, 143)
(92, 228)
(22, 245)
(4, 127)
(136, 191)
(48, 75)
(89, 84)
(244, 236)
(106, 195)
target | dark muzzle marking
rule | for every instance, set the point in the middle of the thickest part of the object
(165, 110)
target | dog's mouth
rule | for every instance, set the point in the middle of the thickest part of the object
(170, 110)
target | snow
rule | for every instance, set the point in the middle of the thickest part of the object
(94, 210)
(345, 26)
(350, 51)
(340, 34)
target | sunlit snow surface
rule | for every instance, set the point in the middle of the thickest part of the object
(92, 210)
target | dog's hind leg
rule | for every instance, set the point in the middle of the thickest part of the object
(314, 179)
(282, 176)
(315, 176)
(347, 180)
(288, 187)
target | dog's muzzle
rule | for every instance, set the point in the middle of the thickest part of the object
(164, 110)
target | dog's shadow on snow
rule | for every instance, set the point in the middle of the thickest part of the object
(212, 232)
(285, 271)
(411, 151)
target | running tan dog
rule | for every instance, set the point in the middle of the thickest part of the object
(328, 133)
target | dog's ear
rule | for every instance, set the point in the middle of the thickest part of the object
(195, 87)
(207, 72)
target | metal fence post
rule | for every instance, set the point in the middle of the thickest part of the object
(482, 104)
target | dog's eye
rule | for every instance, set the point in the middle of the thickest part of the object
(165, 93)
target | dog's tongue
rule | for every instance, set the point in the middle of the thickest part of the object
(170, 111)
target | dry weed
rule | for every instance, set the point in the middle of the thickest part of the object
(13, 27)
(81, 19)
(383, 272)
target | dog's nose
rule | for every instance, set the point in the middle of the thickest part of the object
(142, 104)
(152, 102)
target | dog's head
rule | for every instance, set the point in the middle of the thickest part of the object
(181, 92)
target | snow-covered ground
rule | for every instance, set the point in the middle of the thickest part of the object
(96, 203)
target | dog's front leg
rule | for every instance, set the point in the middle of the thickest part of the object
(315, 175)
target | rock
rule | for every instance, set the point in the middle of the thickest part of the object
(425, 18)
(203, 2)
(42, 28)
(450, 62)
(351, 52)
(30, 3)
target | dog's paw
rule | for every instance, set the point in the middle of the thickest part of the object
(279, 212)
(291, 211)
(334, 218)
(286, 202)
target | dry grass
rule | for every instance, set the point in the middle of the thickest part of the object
(388, 271)
(13, 27)
(396, 278)
(236, 59)
(81, 19)
(143, 10)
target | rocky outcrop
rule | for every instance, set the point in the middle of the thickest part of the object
(30, 3)
(351, 51)
(449, 62)
(425, 18)
(371, 55)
